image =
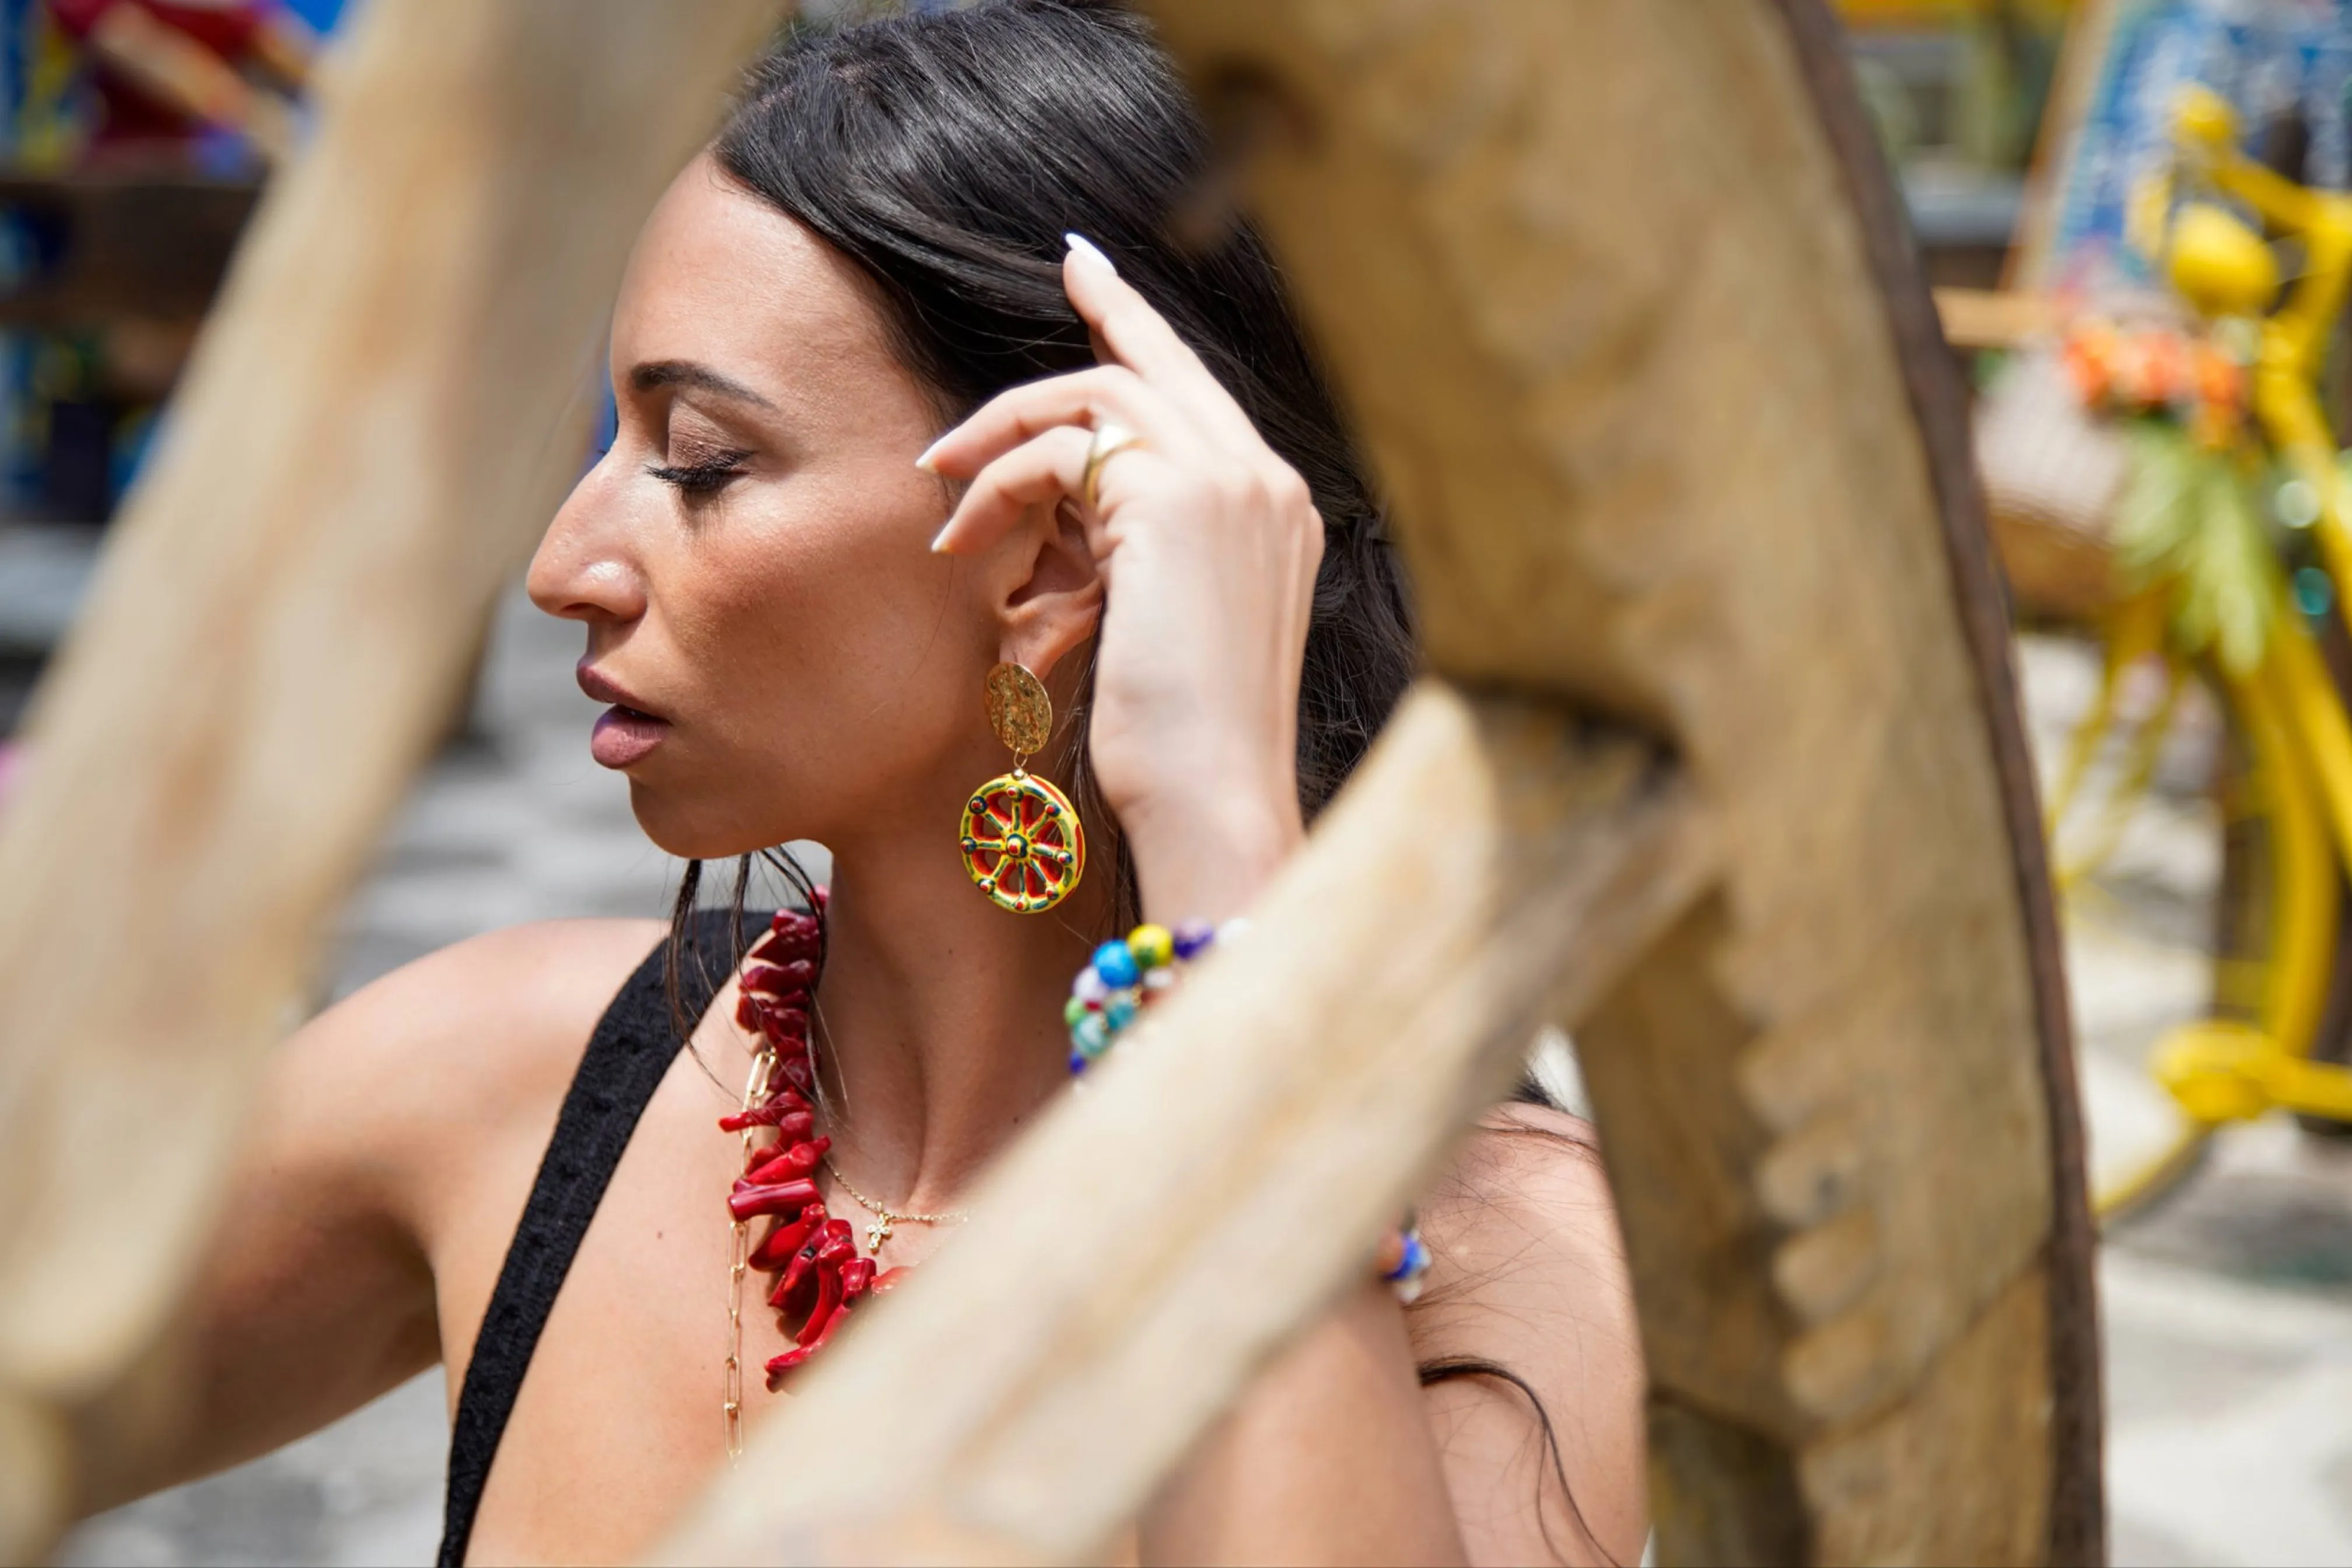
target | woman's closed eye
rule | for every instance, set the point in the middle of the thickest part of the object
(702, 473)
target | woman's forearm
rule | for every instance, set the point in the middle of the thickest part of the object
(1327, 1458)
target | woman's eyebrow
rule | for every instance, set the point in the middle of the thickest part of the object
(655, 373)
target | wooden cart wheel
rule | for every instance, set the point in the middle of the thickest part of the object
(1720, 722)
(1620, 297)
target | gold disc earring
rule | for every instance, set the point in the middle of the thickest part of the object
(1022, 841)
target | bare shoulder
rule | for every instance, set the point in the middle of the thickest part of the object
(1524, 1232)
(1527, 1190)
(1527, 1328)
(498, 1011)
(423, 1098)
(463, 1048)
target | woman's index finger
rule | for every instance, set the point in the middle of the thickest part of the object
(1082, 397)
(1139, 338)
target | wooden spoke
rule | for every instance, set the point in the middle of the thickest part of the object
(389, 401)
(1623, 300)
(1508, 863)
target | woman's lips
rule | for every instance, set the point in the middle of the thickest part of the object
(625, 734)
(624, 737)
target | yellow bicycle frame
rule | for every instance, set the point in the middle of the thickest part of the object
(2293, 717)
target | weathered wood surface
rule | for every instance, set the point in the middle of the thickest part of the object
(1128, 1266)
(1607, 288)
(380, 418)
(1594, 284)
(1938, 401)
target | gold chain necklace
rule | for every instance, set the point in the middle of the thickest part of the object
(755, 1090)
(884, 1219)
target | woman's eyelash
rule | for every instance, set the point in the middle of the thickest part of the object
(700, 477)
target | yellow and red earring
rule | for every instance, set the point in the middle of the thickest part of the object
(1020, 838)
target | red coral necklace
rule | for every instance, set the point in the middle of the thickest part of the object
(819, 1276)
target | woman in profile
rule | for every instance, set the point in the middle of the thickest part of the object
(962, 519)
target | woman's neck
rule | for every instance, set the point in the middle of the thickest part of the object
(939, 1016)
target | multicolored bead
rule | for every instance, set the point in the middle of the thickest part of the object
(1192, 937)
(1152, 946)
(1405, 1263)
(1115, 964)
(1123, 976)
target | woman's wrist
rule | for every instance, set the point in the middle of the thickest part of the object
(1208, 856)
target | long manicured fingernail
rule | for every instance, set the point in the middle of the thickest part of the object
(1081, 245)
(939, 541)
(929, 461)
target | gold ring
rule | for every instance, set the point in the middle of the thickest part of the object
(1111, 439)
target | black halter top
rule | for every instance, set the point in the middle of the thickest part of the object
(632, 1047)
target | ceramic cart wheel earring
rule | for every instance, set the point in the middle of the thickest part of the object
(1020, 838)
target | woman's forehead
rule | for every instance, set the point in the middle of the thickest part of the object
(722, 279)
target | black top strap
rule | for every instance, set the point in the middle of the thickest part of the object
(632, 1048)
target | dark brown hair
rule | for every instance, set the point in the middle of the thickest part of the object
(947, 154)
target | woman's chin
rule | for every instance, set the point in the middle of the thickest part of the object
(691, 830)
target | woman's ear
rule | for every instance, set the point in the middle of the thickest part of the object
(1054, 605)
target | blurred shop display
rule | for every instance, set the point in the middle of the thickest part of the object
(169, 75)
(2284, 66)
(134, 139)
(2161, 444)
(1956, 89)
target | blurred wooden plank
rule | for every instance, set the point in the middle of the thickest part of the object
(1132, 1261)
(1993, 318)
(379, 421)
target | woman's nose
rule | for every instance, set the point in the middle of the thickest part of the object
(584, 570)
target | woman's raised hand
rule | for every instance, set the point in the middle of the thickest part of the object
(1207, 545)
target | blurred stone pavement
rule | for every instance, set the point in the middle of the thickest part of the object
(2228, 1307)
(2228, 1302)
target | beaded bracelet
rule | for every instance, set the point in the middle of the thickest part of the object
(1125, 976)
(1404, 1261)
